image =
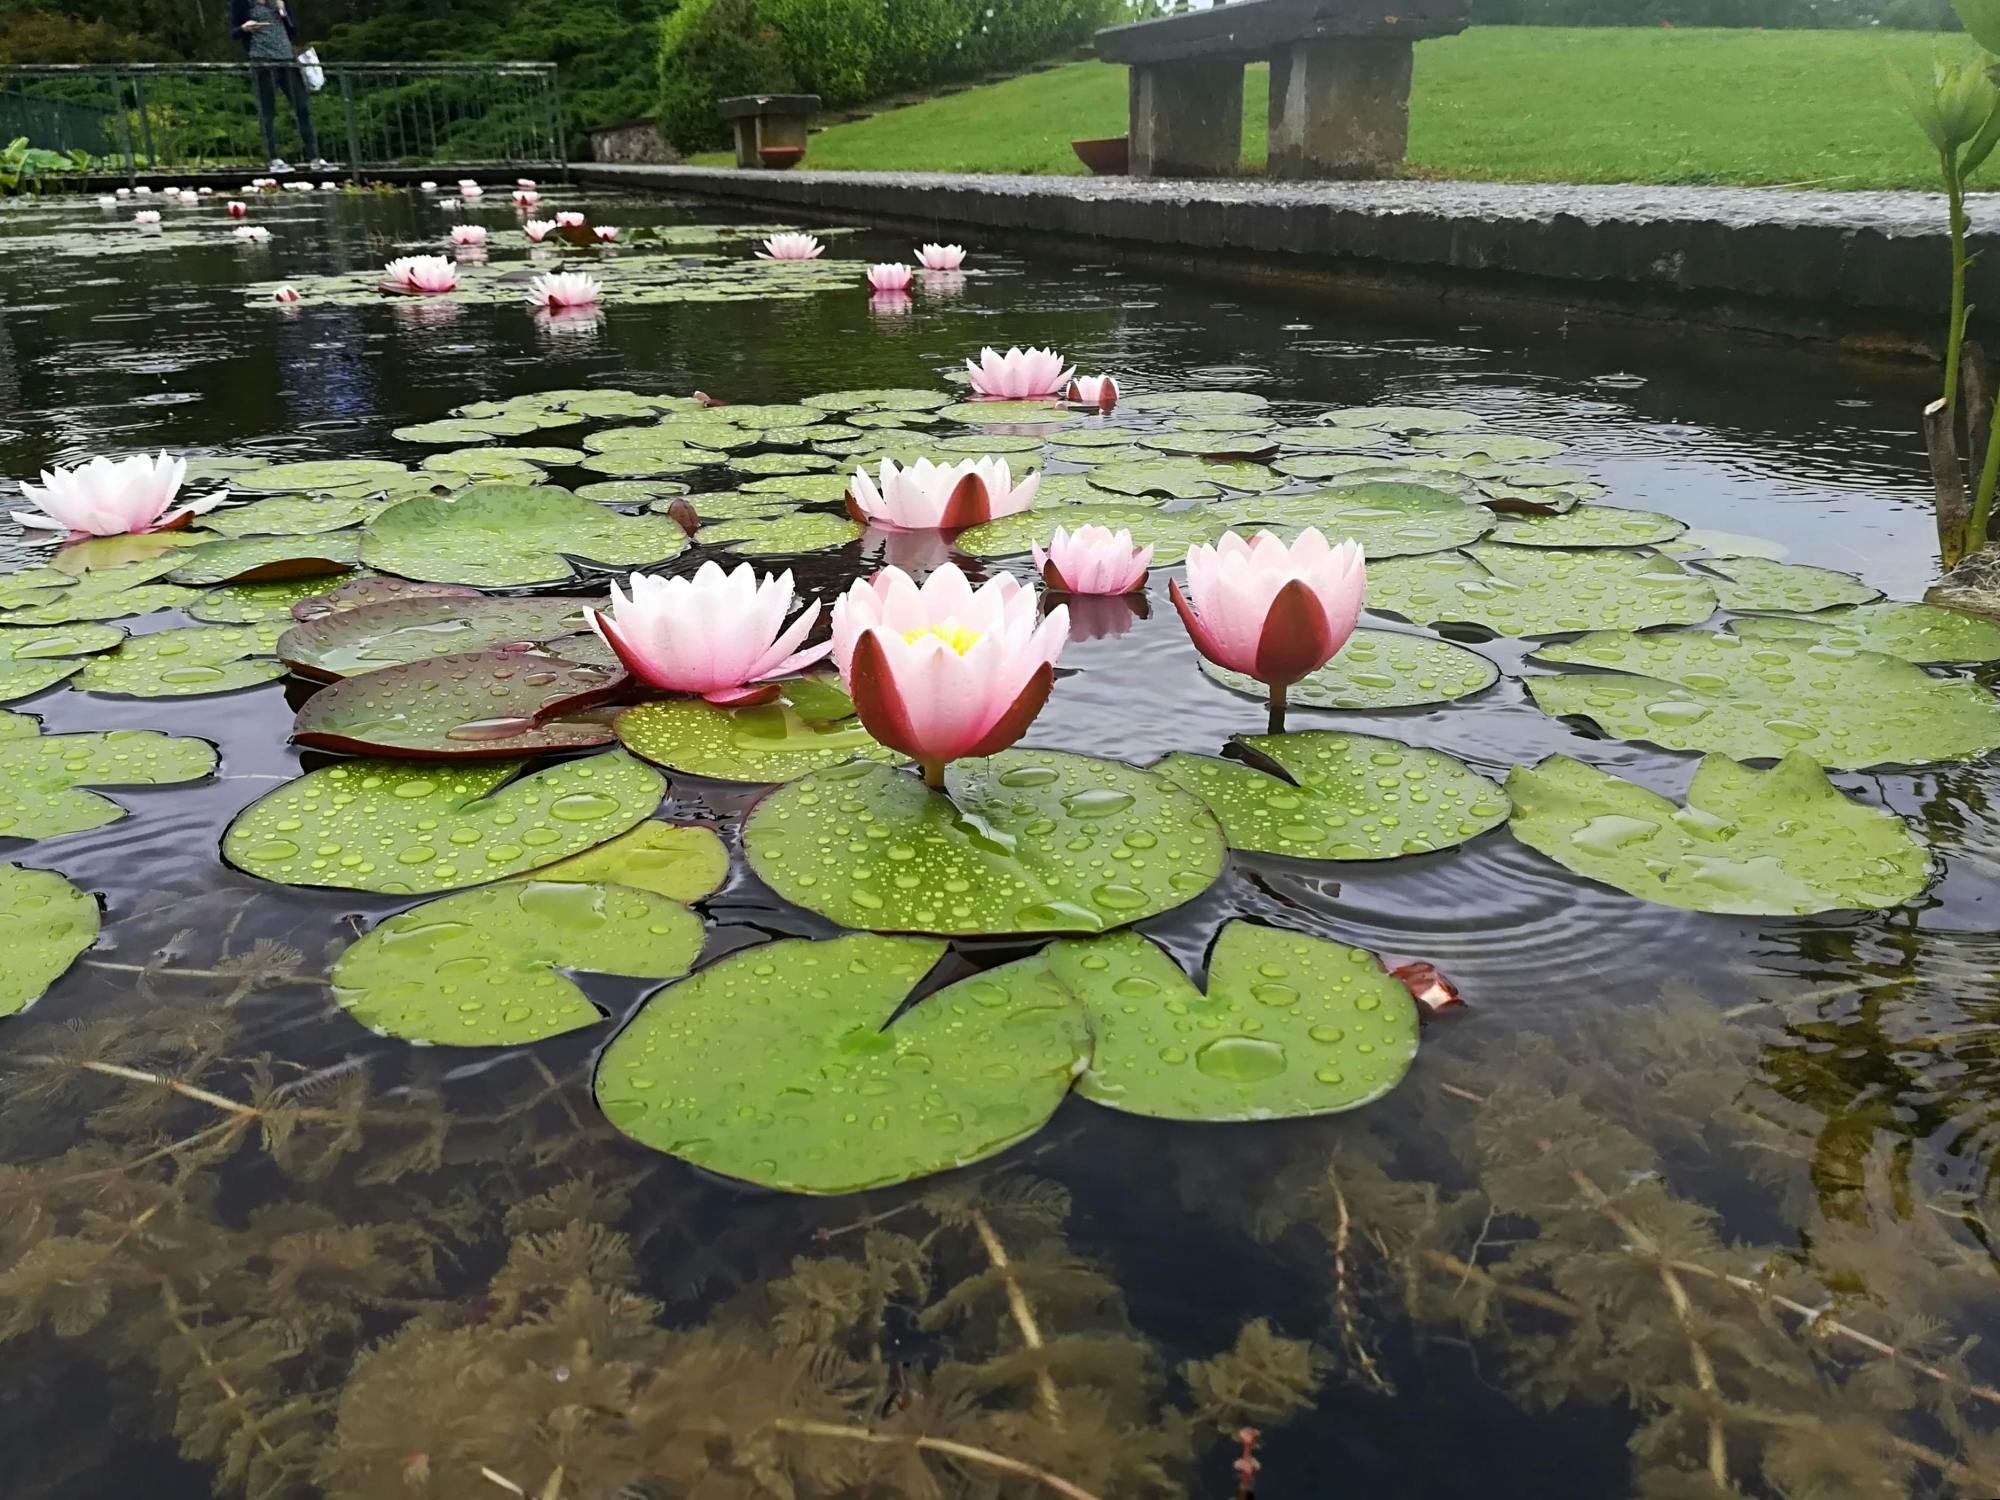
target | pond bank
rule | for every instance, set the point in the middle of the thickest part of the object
(1867, 269)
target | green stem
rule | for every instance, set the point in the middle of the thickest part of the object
(1277, 719)
(1989, 476)
(933, 774)
(1954, 188)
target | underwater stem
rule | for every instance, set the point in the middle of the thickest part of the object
(984, 1456)
(153, 970)
(159, 1080)
(1024, 1315)
(173, 1310)
(1343, 1295)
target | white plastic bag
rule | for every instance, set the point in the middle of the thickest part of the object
(315, 75)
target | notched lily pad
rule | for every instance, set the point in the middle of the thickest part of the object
(42, 777)
(407, 828)
(1388, 520)
(1540, 590)
(265, 559)
(504, 535)
(187, 663)
(1027, 841)
(486, 968)
(369, 637)
(808, 531)
(681, 861)
(320, 475)
(802, 731)
(1404, 421)
(1328, 795)
(290, 515)
(1184, 478)
(1781, 842)
(1915, 632)
(883, 398)
(45, 923)
(255, 603)
(475, 705)
(330, 596)
(1379, 669)
(1591, 526)
(1757, 583)
(32, 660)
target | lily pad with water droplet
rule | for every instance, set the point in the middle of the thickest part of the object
(1488, 447)
(1289, 1026)
(264, 559)
(32, 660)
(1195, 403)
(766, 742)
(320, 475)
(464, 430)
(1591, 526)
(187, 663)
(729, 505)
(1169, 532)
(1540, 590)
(1026, 841)
(45, 922)
(805, 489)
(759, 465)
(1915, 632)
(290, 515)
(1379, 669)
(880, 398)
(757, 417)
(1403, 420)
(1010, 413)
(42, 778)
(681, 861)
(330, 596)
(405, 828)
(251, 603)
(1184, 478)
(1254, 447)
(1327, 795)
(1758, 699)
(83, 603)
(504, 535)
(957, 446)
(369, 637)
(1388, 520)
(804, 531)
(476, 705)
(640, 463)
(485, 968)
(495, 464)
(1779, 842)
(782, 1065)
(631, 491)
(1757, 583)
(1096, 437)
(1329, 465)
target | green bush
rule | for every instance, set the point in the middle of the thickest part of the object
(849, 50)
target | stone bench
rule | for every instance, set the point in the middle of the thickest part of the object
(767, 120)
(1340, 84)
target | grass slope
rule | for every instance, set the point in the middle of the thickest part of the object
(1509, 103)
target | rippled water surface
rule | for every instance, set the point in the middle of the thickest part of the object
(191, 1289)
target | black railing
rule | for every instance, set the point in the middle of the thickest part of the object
(158, 117)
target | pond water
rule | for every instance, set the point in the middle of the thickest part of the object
(1679, 1202)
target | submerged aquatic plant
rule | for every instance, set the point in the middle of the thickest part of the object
(721, 635)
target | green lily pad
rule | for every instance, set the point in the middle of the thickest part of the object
(887, 398)
(806, 489)
(263, 559)
(729, 505)
(1096, 437)
(1169, 532)
(1328, 465)
(681, 861)
(1535, 476)
(251, 603)
(320, 474)
(464, 430)
(332, 595)
(503, 535)
(45, 922)
(1196, 403)
(369, 637)
(475, 705)
(1489, 447)
(702, 432)
(1290, 1025)
(797, 734)
(1010, 413)
(485, 968)
(757, 417)
(82, 603)
(1379, 669)
(863, 421)
(290, 515)
(499, 465)
(1756, 583)
(1183, 478)
(1592, 526)
(630, 491)
(1388, 520)
(1540, 590)
(1026, 841)
(1403, 420)
(406, 828)
(1076, 489)
(1212, 445)
(1759, 699)
(795, 1065)
(759, 464)
(805, 531)
(1091, 458)
(1350, 440)
(1781, 842)
(34, 660)
(1340, 796)
(187, 663)
(640, 463)
(42, 777)
(1915, 632)
(985, 442)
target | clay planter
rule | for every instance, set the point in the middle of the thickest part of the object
(1106, 156)
(778, 158)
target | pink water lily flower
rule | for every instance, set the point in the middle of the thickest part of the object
(524, 182)
(471, 190)
(717, 634)
(538, 230)
(889, 277)
(557, 290)
(791, 247)
(427, 186)
(1273, 611)
(941, 257)
(146, 217)
(1019, 374)
(420, 273)
(945, 671)
(468, 234)
(285, 294)
(938, 497)
(237, 208)
(1100, 391)
(253, 233)
(527, 197)
(107, 200)
(606, 233)
(111, 498)
(1092, 560)
(569, 220)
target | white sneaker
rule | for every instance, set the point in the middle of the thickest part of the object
(279, 164)
(321, 164)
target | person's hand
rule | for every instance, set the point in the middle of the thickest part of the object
(253, 26)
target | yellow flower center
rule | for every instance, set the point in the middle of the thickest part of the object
(957, 636)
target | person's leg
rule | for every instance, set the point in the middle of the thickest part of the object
(265, 87)
(295, 85)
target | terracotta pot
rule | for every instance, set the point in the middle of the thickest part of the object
(778, 158)
(1106, 156)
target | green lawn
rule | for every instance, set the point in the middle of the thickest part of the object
(1511, 103)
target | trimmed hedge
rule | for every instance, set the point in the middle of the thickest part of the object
(849, 50)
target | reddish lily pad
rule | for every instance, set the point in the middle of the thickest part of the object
(477, 705)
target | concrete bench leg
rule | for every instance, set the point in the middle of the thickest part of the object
(746, 141)
(755, 132)
(1340, 108)
(1187, 119)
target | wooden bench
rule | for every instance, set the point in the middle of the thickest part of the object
(764, 121)
(1340, 84)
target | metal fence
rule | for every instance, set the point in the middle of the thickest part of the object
(156, 117)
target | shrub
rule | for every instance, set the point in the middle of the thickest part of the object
(849, 50)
